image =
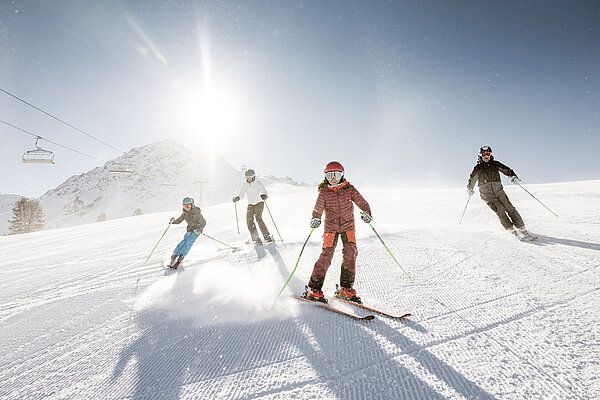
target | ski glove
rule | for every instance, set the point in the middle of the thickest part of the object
(198, 231)
(236, 198)
(315, 223)
(470, 192)
(515, 180)
(171, 220)
(366, 217)
(263, 196)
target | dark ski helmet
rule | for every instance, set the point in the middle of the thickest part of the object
(249, 173)
(485, 149)
(188, 200)
(334, 166)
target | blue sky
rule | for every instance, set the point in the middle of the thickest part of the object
(400, 92)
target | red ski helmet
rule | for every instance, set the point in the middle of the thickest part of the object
(334, 166)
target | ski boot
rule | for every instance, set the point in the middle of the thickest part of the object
(524, 235)
(269, 239)
(347, 294)
(314, 295)
(179, 260)
(172, 262)
(514, 232)
(258, 242)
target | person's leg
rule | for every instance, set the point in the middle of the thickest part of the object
(349, 254)
(322, 265)
(511, 210)
(188, 241)
(500, 211)
(178, 248)
(258, 210)
(250, 222)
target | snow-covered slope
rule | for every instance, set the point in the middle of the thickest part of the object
(153, 178)
(7, 202)
(84, 318)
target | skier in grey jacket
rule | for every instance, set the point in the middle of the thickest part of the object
(257, 194)
(486, 173)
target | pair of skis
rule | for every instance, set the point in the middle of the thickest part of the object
(349, 314)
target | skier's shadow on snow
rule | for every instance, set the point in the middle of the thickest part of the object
(362, 368)
(549, 240)
(349, 358)
(260, 252)
(160, 363)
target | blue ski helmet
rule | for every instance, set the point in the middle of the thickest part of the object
(188, 200)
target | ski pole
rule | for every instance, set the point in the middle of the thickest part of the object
(236, 217)
(280, 238)
(158, 242)
(304, 245)
(216, 240)
(463, 214)
(409, 277)
(556, 215)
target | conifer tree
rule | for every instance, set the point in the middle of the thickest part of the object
(28, 216)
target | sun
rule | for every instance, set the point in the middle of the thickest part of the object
(211, 117)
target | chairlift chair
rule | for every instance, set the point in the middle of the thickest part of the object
(122, 174)
(39, 155)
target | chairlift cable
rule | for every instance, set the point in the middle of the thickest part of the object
(60, 120)
(50, 141)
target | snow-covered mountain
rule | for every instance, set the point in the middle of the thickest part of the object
(7, 202)
(150, 178)
(84, 317)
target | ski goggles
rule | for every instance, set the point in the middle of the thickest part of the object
(187, 206)
(486, 154)
(337, 175)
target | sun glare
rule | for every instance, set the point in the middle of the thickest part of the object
(208, 117)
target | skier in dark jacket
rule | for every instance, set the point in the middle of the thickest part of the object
(196, 223)
(487, 174)
(336, 198)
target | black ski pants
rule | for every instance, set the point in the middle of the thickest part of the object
(508, 214)
(255, 212)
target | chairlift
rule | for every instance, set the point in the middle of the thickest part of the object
(122, 174)
(39, 155)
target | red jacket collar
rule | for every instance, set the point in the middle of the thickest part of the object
(335, 189)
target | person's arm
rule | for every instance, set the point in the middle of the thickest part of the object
(319, 206)
(360, 201)
(200, 222)
(242, 191)
(472, 179)
(179, 220)
(262, 191)
(505, 170)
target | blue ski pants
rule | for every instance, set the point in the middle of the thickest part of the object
(186, 244)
